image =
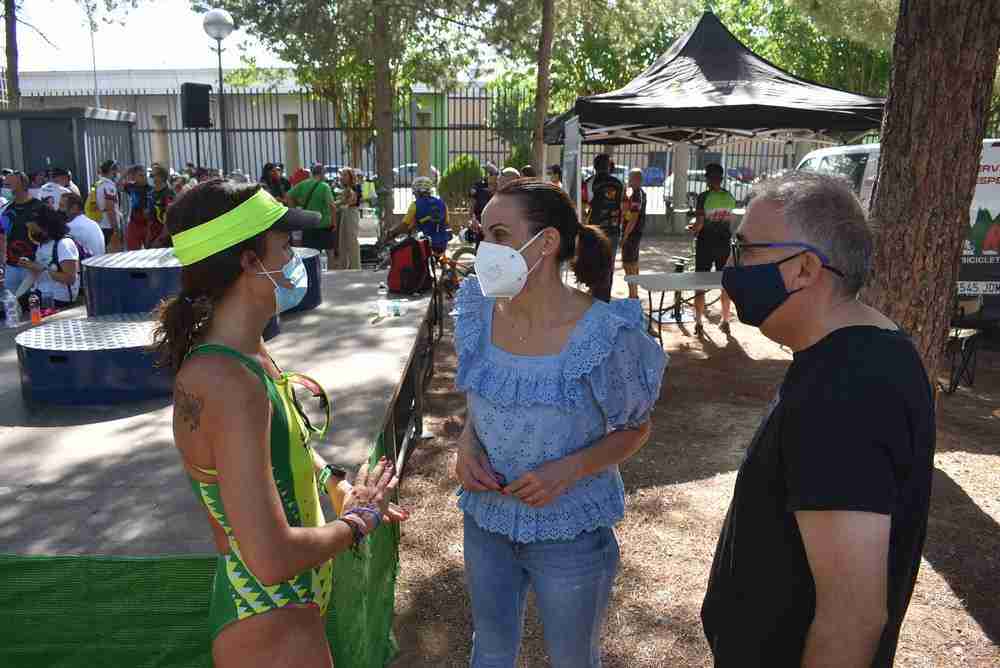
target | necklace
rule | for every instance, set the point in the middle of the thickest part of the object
(524, 338)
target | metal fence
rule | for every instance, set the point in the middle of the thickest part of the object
(298, 128)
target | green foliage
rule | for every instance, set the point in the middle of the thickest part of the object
(512, 111)
(458, 180)
(519, 157)
(600, 47)
(788, 36)
(868, 22)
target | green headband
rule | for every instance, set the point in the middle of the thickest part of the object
(249, 219)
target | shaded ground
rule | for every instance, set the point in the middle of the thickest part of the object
(678, 490)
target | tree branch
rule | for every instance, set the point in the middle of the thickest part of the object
(40, 33)
(430, 14)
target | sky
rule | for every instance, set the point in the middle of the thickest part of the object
(160, 34)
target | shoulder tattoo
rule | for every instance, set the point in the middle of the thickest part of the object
(188, 407)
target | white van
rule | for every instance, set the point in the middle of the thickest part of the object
(980, 270)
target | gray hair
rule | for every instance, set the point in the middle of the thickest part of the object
(511, 171)
(822, 210)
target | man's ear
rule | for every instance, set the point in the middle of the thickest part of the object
(809, 271)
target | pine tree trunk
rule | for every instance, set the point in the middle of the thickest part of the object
(944, 61)
(542, 85)
(13, 81)
(384, 97)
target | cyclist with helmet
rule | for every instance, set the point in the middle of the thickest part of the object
(428, 214)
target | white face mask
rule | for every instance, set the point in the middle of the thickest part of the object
(501, 270)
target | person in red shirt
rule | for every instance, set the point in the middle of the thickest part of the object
(635, 221)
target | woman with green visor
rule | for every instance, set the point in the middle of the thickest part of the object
(243, 437)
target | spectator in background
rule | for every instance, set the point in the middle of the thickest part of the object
(285, 183)
(315, 195)
(348, 220)
(51, 193)
(554, 173)
(82, 229)
(106, 194)
(298, 176)
(713, 216)
(635, 221)
(427, 214)
(14, 220)
(163, 197)
(604, 197)
(481, 194)
(180, 183)
(270, 178)
(64, 177)
(506, 176)
(529, 172)
(141, 212)
(37, 180)
(237, 176)
(56, 267)
(190, 170)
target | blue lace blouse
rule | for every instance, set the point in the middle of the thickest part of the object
(528, 410)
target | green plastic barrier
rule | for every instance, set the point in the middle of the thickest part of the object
(85, 611)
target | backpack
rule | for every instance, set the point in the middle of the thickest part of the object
(90, 208)
(83, 255)
(431, 214)
(606, 194)
(408, 270)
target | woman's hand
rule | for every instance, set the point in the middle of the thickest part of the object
(370, 488)
(33, 267)
(472, 466)
(545, 484)
(340, 490)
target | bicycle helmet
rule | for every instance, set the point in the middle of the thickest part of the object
(423, 184)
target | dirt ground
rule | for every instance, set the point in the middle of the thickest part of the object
(678, 488)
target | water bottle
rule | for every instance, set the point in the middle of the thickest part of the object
(11, 309)
(323, 262)
(35, 307)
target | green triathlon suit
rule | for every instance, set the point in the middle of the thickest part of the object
(712, 243)
(236, 592)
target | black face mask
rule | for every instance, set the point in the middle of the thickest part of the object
(757, 290)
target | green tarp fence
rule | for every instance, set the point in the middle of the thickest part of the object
(93, 611)
(137, 612)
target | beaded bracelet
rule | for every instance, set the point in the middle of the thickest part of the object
(370, 510)
(357, 533)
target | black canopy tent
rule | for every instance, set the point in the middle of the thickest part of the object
(709, 86)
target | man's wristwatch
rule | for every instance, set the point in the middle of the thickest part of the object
(326, 473)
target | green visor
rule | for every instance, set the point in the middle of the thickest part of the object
(259, 213)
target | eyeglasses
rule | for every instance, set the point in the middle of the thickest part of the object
(737, 247)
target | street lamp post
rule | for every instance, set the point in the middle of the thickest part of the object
(219, 25)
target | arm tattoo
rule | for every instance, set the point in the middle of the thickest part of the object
(188, 407)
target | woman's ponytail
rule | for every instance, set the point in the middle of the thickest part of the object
(179, 321)
(592, 261)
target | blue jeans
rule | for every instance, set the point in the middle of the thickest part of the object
(572, 580)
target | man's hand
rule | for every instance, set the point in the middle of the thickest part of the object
(472, 466)
(545, 484)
